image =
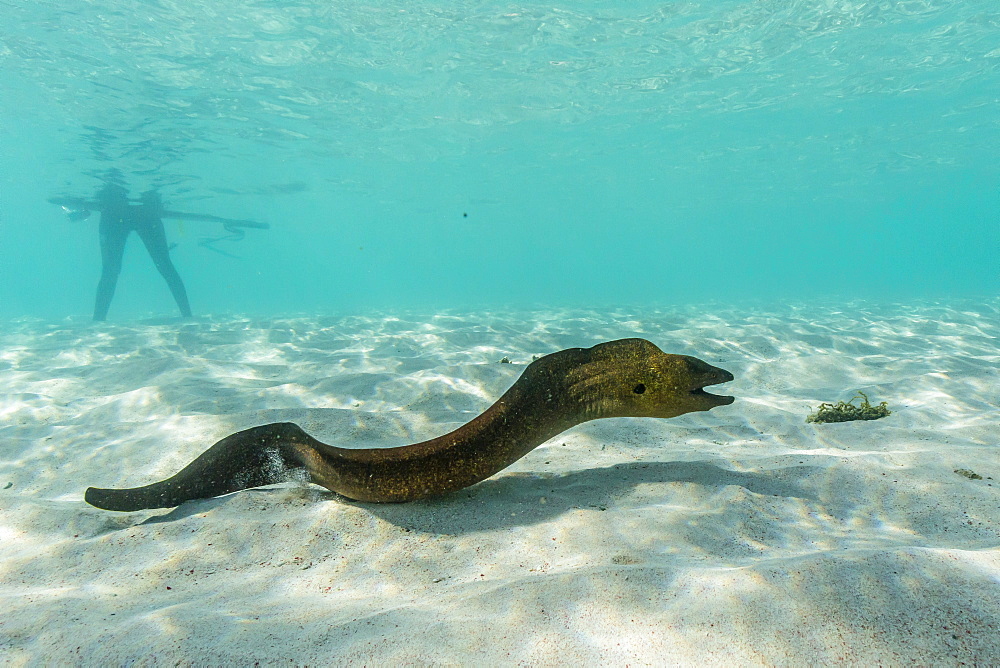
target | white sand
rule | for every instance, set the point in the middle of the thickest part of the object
(739, 536)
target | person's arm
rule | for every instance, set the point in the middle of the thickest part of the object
(215, 219)
(74, 202)
(77, 208)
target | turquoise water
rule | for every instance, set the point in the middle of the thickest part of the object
(476, 153)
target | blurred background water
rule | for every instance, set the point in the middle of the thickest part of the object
(479, 153)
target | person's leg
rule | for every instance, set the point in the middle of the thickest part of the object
(112, 235)
(155, 238)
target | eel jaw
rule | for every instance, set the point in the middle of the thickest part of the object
(714, 399)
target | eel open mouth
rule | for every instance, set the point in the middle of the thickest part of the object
(717, 399)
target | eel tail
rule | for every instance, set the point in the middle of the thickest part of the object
(262, 455)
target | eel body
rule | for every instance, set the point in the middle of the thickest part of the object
(624, 378)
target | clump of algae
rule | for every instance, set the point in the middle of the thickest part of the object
(847, 411)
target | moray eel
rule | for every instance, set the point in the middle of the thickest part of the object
(624, 378)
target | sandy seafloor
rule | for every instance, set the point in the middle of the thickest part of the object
(739, 536)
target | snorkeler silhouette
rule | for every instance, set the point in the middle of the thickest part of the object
(119, 218)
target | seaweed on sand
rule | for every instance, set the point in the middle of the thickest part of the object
(847, 411)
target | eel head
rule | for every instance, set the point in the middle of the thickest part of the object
(634, 378)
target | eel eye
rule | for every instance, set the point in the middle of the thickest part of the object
(639, 389)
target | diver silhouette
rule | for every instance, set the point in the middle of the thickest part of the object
(119, 218)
